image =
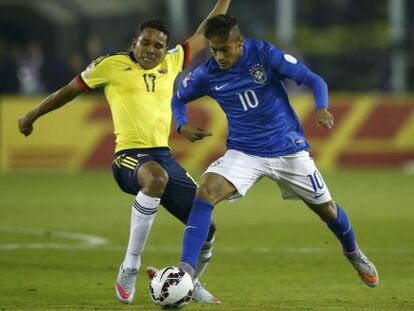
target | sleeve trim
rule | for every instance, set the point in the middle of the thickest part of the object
(186, 47)
(82, 84)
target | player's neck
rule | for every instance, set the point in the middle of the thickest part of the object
(240, 55)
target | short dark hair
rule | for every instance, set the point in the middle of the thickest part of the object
(156, 24)
(220, 26)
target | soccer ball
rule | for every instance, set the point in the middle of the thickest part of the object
(171, 288)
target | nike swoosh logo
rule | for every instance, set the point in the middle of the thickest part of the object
(121, 291)
(188, 227)
(218, 88)
(319, 195)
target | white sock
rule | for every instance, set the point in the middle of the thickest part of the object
(204, 258)
(143, 214)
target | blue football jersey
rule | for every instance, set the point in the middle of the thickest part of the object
(252, 94)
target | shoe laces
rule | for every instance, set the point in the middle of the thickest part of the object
(362, 262)
(127, 278)
(364, 259)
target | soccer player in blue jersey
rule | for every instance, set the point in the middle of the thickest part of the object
(246, 78)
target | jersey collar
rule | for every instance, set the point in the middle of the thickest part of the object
(243, 58)
(132, 56)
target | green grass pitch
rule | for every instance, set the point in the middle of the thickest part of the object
(269, 255)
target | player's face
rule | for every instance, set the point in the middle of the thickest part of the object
(150, 48)
(226, 52)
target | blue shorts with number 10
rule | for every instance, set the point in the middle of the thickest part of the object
(180, 191)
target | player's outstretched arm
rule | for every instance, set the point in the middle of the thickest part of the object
(320, 92)
(50, 103)
(197, 42)
(288, 66)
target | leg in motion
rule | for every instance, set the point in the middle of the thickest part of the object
(336, 219)
(201, 294)
(153, 180)
(178, 200)
(213, 189)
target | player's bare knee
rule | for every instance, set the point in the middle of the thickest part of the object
(328, 211)
(207, 193)
(154, 182)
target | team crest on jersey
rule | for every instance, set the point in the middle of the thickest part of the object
(258, 73)
(162, 71)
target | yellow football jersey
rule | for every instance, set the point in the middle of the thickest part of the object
(140, 100)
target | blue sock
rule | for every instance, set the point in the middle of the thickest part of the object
(196, 231)
(342, 228)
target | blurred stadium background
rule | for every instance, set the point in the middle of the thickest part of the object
(363, 50)
(59, 177)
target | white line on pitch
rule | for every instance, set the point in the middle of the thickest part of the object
(84, 240)
(92, 242)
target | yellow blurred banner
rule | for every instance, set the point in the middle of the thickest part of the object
(369, 131)
(64, 139)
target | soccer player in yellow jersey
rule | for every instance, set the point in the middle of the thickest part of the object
(138, 87)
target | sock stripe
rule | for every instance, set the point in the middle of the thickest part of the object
(349, 229)
(136, 204)
(144, 210)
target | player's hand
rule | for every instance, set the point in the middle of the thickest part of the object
(193, 132)
(324, 118)
(25, 125)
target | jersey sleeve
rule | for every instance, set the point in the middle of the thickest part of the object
(288, 66)
(179, 56)
(193, 86)
(97, 74)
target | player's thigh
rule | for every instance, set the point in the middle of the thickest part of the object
(239, 169)
(125, 169)
(180, 191)
(298, 177)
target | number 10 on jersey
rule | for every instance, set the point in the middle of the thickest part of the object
(248, 99)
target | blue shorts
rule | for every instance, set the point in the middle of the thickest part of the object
(180, 191)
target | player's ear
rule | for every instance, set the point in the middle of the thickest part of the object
(240, 41)
(133, 44)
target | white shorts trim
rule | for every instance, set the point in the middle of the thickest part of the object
(296, 174)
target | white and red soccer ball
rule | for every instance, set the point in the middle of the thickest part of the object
(171, 288)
